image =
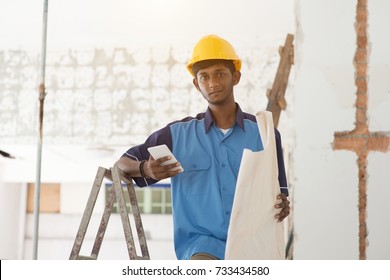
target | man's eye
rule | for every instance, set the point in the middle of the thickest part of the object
(220, 75)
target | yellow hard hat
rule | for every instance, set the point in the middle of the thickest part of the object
(213, 47)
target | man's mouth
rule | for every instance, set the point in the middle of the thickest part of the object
(215, 92)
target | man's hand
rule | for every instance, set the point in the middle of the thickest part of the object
(284, 205)
(155, 170)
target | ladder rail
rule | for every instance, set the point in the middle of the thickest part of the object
(103, 223)
(124, 215)
(87, 213)
(138, 221)
(136, 214)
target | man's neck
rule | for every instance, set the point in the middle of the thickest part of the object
(224, 116)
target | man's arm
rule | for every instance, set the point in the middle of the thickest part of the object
(151, 168)
(283, 203)
(129, 166)
(281, 169)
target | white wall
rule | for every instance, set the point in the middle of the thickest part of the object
(326, 189)
(379, 116)
(12, 217)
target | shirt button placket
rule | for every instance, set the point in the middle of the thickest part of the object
(224, 176)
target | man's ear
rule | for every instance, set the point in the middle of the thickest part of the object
(236, 77)
(195, 82)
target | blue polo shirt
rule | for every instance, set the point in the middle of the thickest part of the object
(202, 196)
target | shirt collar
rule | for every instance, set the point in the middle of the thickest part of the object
(208, 119)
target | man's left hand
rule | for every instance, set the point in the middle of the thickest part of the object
(284, 205)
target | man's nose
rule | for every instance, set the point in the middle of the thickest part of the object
(213, 81)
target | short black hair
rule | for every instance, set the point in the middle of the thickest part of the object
(207, 63)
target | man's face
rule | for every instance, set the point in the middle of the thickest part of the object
(216, 83)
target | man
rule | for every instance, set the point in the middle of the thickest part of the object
(209, 147)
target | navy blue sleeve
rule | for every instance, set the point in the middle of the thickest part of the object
(140, 152)
(282, 172)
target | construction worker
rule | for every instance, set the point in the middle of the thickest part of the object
(209, 148)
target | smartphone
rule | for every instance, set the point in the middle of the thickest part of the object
(160, 151)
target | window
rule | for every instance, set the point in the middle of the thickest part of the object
(151, 200)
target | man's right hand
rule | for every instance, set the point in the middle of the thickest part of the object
(155, 170)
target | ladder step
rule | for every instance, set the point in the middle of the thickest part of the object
(90, 258)
(142, 258)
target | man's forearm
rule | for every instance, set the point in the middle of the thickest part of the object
(129, 166)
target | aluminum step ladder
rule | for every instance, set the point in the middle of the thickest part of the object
(116, 176)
